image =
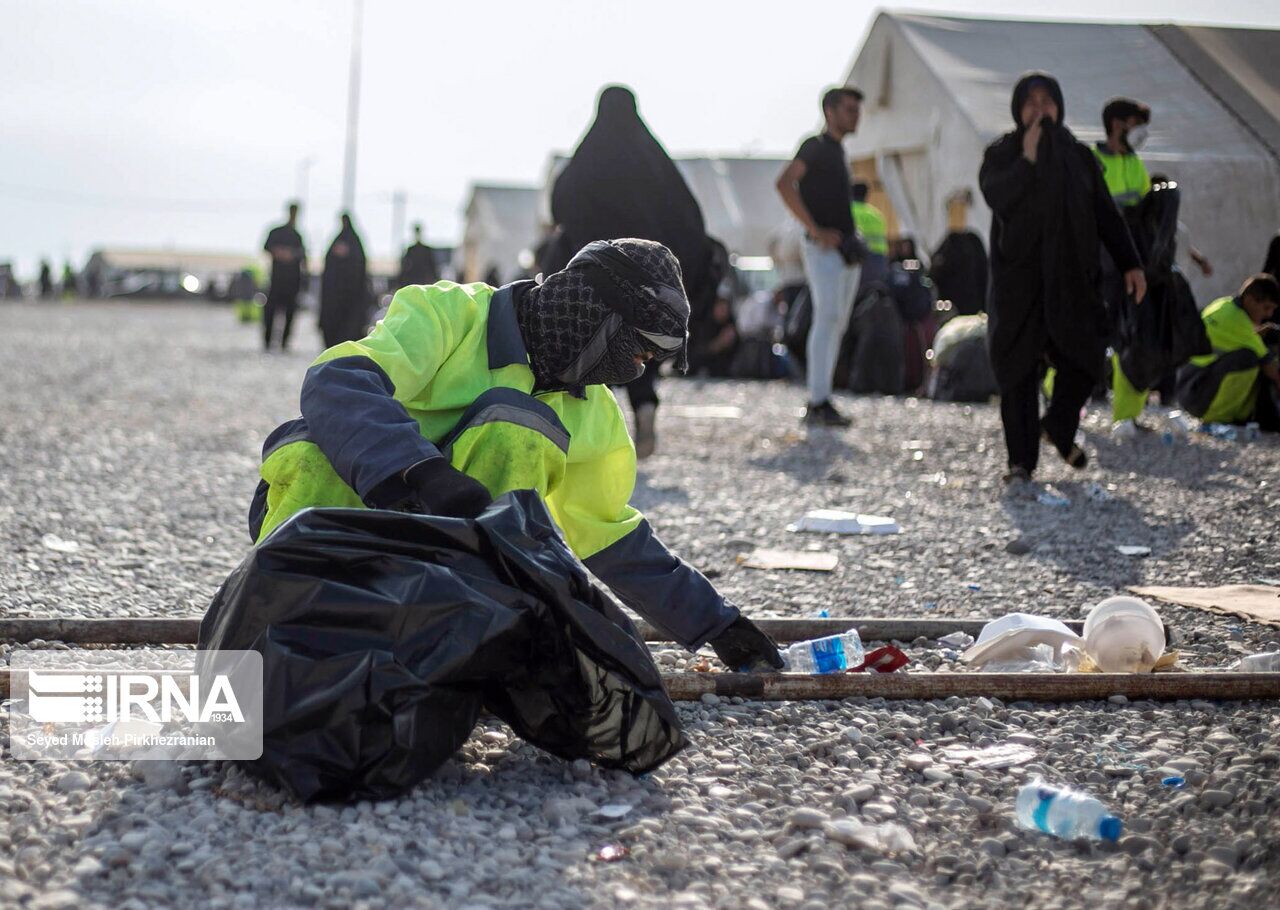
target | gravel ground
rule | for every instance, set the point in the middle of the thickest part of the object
(130, 434)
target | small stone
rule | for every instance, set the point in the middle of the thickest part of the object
(1137, 843)
(1216, 799)
(1224, 854)
(1119, 699)
(805, 817)
(991, 846)
(934, 773)
(793, 847)
(1181, 843)
(980, 804)
(788, 894)
(861, 793)
(918, 761)
(431, 870)
(710, 698)
(73, 781)
(87, 867)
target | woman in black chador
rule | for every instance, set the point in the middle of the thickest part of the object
(621, 183)
(1050, 208)
(344, 293)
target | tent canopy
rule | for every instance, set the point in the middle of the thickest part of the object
(937, 92)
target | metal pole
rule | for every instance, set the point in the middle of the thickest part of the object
(398, 201)
(159, 630)
(353, 112)
(1050, 687)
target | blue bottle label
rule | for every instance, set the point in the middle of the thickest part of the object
(1041, 814)
(828, 655)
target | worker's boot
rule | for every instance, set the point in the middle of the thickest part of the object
(646, 438)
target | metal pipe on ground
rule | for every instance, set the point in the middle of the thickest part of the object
(1009, 687)
(184, 631)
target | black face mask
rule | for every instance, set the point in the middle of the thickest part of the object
(615, 301)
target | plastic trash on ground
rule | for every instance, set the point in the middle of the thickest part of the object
(1053, 500)
(836, 521)
(805, 560)
(383, 635)
(831, 654)
(1267, 662)
(1065, 813)
(1133, 550)
(1021, 642)
(994, 758)
(1123, 634)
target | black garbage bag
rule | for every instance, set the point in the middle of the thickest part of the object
(383, 635)
(1165, 330)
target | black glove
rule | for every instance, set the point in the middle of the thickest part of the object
(440, 489)
(432, 487)
(743, 647)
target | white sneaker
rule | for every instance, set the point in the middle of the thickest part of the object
(1124, 430)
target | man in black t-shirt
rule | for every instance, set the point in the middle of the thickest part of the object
(418, 265)
(815, 187)
(288, 263)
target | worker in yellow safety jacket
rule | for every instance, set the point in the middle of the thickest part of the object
(1228, 385)
(869, 222)
(1126, 122)
(463, 392)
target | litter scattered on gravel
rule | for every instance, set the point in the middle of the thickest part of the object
(136, 437)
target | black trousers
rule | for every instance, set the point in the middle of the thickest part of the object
(284, 304)
(643, 389)
(1020, 413)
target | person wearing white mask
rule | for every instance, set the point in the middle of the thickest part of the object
(1126, 122)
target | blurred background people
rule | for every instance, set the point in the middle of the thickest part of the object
(288, 264)
(621, 183)
(1240, 381)
(959, 270)
(69, 285)
(1050, 211)
(815, 187)
(1271, 265)
(45, 280)
(241, 291)
(344, 288)
(418, 264)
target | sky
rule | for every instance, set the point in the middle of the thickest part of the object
(161, 124)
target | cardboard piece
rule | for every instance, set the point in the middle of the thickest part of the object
(808, 560)
(1259, 603)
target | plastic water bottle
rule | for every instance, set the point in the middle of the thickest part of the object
(825, 655)
(1064, 813)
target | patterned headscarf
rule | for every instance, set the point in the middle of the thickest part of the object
(615, 300)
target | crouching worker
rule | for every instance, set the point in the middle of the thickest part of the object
(1239, 382)
(465, 392)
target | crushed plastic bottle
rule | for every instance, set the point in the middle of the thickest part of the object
(1178, 425)
(1266, 662)
(1223, 431)
(1049, 498)
(1065, 813)
(831, 654)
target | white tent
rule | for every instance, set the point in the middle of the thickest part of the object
(938, 91)
(501, 223)
(739, 203)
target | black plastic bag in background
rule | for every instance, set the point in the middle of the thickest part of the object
(1165, 330)
(383, 635)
